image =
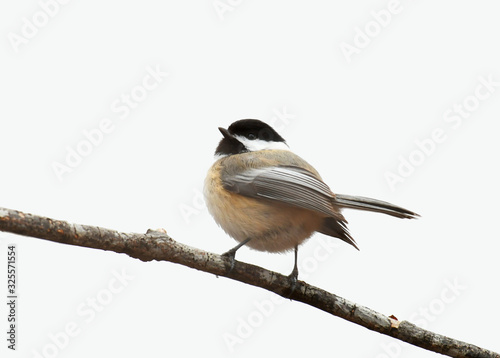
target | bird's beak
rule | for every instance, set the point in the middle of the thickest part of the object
(225, 133)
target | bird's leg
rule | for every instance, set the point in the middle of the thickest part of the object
(231, 253)
(295, 273)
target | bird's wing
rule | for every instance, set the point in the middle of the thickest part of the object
(286, 184)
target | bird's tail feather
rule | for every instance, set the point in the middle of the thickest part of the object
(379, 206)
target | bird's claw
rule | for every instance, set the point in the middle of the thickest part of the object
(293, 278)
(230, 255)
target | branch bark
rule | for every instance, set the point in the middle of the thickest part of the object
(158, 246)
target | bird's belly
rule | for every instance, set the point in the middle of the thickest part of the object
(272, 226)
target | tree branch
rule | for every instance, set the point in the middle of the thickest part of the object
(158, 246)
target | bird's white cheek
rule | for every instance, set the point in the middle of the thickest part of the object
(259, 144)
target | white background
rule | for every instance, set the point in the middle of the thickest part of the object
(352, 117)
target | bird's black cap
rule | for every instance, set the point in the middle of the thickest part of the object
(250, 129)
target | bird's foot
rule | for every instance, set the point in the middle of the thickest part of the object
(293, 279)
(231, 253)
(230, 256)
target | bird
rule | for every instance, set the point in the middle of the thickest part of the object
(269, 199)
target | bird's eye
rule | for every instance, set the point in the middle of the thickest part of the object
(252, 136)
(265, 134)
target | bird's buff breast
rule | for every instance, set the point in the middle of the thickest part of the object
(272, 227)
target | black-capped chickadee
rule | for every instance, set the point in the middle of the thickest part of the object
(268, 198)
